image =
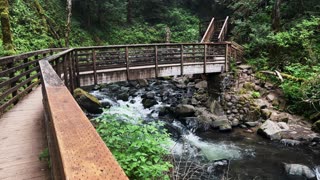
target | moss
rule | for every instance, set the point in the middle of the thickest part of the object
(248, 86)
(77, 93)
(316, 126)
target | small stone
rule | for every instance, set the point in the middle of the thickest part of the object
(227, 97)
(229, 104)
(270, 97)
(251, 124)
(234, 111)
(235, 122)
(228, 112)
(201, 85)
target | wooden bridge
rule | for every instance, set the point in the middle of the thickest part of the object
(37, 108)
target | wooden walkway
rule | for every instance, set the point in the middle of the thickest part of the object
(22, 139)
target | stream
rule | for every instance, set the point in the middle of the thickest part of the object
(233, 155)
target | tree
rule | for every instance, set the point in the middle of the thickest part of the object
(68, 25)
(129, 11)
(276, 16)
(5, 26)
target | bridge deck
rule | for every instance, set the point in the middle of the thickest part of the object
(22, 139)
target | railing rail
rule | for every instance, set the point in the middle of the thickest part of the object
(18, 75)
(76, 149)
(209, 32)
(224, 30)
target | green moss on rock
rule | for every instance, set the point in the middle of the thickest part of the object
(87, 101)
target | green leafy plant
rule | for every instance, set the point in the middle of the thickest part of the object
(45, 156)
(255, 95)
(138, 147)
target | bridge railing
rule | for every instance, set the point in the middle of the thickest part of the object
(76, 149)
(224, 30)
(18, 75)
(209, 32)
(95, 60)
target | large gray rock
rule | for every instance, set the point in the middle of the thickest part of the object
(272, 130)
(148, 103)
(299, 170)
(143, 82)
(184, 110)
(201, 85)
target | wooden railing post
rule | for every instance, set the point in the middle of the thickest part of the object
(65, 70)
(77, 68)
(94, 67)
(205, 59)
(226, 68)
(181, 51)
(156, 61)
(127, 63)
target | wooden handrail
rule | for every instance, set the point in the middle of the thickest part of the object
(208, 34)
(223, 30)
(76, 149)
(19, 75)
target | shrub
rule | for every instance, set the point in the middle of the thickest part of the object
(138, 147)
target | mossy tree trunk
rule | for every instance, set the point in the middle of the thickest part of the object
(68, 25)
(5, 26)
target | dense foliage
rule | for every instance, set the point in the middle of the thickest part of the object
(138, 147)
(292, 46)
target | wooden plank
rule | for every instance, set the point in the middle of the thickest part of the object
(22, 139)
(127, 63)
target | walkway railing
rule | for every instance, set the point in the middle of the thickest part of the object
(18, 75)
(209, 32)
(76, 149)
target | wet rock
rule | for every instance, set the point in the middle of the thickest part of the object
(149, 95)
(235, 123)
(290, 142)
(106, 104)
(215, 107)
(271, 97)
(164, 110)
(299, 170)
(316, 126)
(184, 110)
(201, 85)
(301, 133)
(114, 87)
(271, 130)
(133, 83)
(147, 103)
(252, 124)
(143, 82)
(280, 117)
(123, 96)
(253, 115)
(260, 103)
(222, 123)
(87, 101)
(227, 97)
(265, 113)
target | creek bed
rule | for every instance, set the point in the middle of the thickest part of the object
(249, 156)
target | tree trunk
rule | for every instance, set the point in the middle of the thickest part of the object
(5, 26)
(129, 11)
(276, 16)
(68, 25)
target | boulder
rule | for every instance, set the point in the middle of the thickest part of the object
(123, 96)
(299, 170)
(316, 126)
(143, 82)
(148, 103)
(215, 107)
(201, 85)
(272, 130)
(184, 110)
(87, 101)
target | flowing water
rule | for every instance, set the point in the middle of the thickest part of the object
(249, 156)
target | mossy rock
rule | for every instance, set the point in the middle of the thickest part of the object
(248, 86)
(87, 101)
(316, 126)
